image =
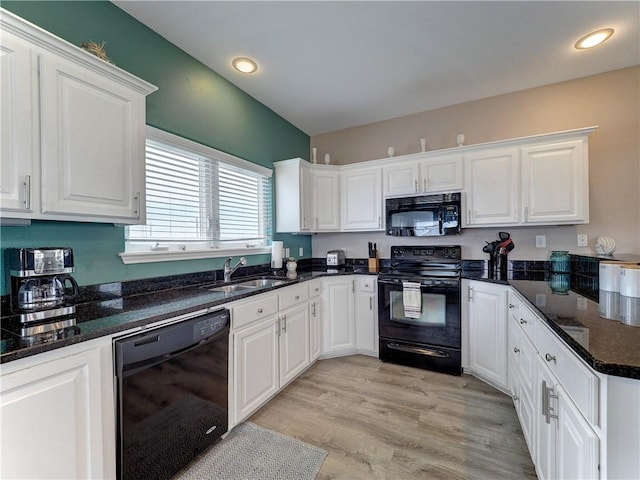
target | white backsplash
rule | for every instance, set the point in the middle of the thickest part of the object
(471, 239)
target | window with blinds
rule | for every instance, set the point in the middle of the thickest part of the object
(196, 199)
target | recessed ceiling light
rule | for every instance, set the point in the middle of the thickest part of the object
(594, 38)
(244, 65)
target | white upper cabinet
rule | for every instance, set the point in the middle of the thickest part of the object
(492, 192)
(402, 178)
(86, 160)
(555, 183)
(293, 196)
(326, 199)
(17, 158)
(541, 180)
(361, 199)
(441, 173)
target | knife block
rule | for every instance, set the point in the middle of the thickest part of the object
(374, 265)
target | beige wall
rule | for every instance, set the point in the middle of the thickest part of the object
(610, 100)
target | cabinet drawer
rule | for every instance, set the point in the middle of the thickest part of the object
(573, 374)
(291, 295)
(315, 288)
(254, 309)
(366, 284)
(527, 321)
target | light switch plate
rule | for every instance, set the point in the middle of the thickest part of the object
(583, 240)
(301, 252)
(541, 241)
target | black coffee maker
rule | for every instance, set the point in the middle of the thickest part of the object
(41, 286)
(498, 251)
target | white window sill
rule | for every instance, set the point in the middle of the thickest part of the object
(150, 256)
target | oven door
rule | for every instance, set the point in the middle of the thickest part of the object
(439, 320)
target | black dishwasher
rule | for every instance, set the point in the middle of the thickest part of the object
(172, 386)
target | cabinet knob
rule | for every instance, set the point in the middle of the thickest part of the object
(516, 350)
(511, 305)
(259, 310)
(522, 321)
(515, 397)
(366, 285)
(297, 297)
(550, 358)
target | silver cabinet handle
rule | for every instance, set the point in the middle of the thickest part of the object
(313, 309)
(259, 310)
(522, 321)
(379, 221)
(511, 305)
(516, 350)
(526, 214)
(515, 397)
(550, 358)
(278, 326)
(470, 293)
(415, 185)
(468, 216)
(284, 323)
(27, 192)
(425, 184)
(545, 399)
(370, 303)
(353, 286)
(136, 208)
(547, 395)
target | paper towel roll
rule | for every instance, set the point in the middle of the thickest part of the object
(276, 254)
(630, 281)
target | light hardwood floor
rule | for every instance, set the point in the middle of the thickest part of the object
(386, 421)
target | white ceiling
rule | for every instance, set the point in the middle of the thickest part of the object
(326, 66)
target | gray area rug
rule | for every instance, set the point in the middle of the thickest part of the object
(251, 452)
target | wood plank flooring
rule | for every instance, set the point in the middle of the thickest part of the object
(386, 421)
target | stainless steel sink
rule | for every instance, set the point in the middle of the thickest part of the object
(262, 283)
(237, 288)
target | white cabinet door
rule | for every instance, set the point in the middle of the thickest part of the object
(326, 199)
(401, 179)
(442, 174)
(366, 316)
(18, 152)
(567, 446)
(488, 332)
(92, 134)
(361, 196)
(57, 418)
(256, 372)
(293, 191)
(492, 187)
(555, 183)
(338, 316)
(294, 342)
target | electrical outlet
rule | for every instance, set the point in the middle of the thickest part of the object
(301, 252)
(286, 253)
(583, 240)
(541, 241)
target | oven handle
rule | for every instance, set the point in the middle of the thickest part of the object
(418, 350)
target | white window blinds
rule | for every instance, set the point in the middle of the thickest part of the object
(196, 199)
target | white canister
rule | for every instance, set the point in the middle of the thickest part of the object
(630, 281)
(609, 278)
(630, 310)
(609, 305)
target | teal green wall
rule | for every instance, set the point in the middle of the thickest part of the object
(192, 101)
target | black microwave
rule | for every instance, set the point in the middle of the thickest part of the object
(423, 216)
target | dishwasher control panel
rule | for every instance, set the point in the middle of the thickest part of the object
(210, 325)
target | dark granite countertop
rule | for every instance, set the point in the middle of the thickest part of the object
(613, 324)
(121, 313)
(605, 334)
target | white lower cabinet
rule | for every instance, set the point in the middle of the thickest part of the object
(338, 326)
(59, 411)
(567, 446)
(487, 331)
(270, 348)
(366, 315)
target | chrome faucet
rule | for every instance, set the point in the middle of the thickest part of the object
(228, 269)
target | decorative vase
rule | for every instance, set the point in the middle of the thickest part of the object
(423, 144)
(327, 159)
(391, 151)
(460, 139)
(292, 266)
(314, 151)
(560, 261)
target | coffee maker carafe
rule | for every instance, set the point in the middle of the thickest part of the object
(41, 286)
